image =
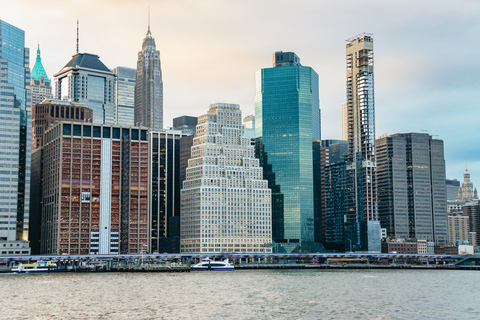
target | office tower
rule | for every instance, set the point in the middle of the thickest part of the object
(50, 112)
(472, 210)
(249, 123)
(287, 120)
(466, 192)
(186, 124)
(411, 183)
(331, 166)
(452, 189)
(86, 80)
(40, 84)
(15, 128)
(45, 115)
(363, 215)
(225, 203)
(125, 99)
(95, 189)
(149, 86)
(165, 185)
(344, 121)
(459, 230)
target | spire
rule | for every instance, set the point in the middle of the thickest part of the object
(149, 34)
(77, 35)
(38, 70)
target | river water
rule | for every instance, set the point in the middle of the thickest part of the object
(243, 294)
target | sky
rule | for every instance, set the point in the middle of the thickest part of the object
(427, 66)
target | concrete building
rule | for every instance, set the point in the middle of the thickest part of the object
(400, 246)
(15, 139)
(95, 189)
(411, 184)
(225, 203)
(50, 112)
(467, 192)
(249, 123)
(86, 80)
(125, 99)
(459, 230)
(186, 124)
(149, 86)
(165, 185)
(40, 83)
(287, 120)
(46, 115)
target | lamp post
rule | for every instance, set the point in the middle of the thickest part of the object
(350, 245)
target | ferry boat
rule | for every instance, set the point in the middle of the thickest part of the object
(39, 267)
(210, 265)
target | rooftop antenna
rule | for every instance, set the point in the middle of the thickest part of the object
(77, 35)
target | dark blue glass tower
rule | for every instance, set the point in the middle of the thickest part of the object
(287, 116)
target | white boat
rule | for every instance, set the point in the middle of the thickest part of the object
(210, 265)
(39, 267)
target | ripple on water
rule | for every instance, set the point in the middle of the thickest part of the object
(283, 294)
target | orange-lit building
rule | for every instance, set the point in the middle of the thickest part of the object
(95, 189)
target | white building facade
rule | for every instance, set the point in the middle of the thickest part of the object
(225, 203)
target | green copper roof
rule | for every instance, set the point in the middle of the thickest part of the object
(38, 70)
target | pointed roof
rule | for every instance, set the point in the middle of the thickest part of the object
(38, 70)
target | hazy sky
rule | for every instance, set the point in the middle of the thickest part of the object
(427, 65)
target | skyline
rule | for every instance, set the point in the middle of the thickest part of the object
(425, 61)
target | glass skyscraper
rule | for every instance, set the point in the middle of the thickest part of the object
(15, 132)
(125, 95)
(287, 120)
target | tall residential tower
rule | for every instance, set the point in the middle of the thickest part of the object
(149, 86)
(362, 217)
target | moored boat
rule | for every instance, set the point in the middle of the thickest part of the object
(38, 267)
(210, 265)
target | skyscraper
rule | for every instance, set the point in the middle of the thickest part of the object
(149, 86)
(15, 140)
(40, 84)
(225, 203)
(287, 120)
(165, 185)
(95, 189)
(362, 217)
(125, 95)
(467, 192)
(411, 182)
(86, 80)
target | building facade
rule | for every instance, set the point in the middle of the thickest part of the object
(452, 189)
(95, 189)
(225, 203)
(40, 83)
(411, 180)
(186, 124)
(165, 185)
(472, 210)
(50, 112)
(86, 80)
(362, 217)
(287, 120)
(125, 100)
(15, 141)
(149, 86)
(459, 230)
